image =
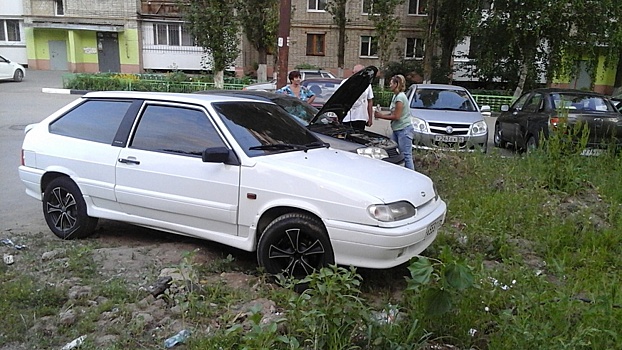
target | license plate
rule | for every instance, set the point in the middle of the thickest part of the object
(445, 138)
(433, 227)
(592, 152)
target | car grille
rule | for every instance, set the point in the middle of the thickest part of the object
(452, 129)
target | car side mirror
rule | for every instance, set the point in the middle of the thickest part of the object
(505, 108)
(218, 155)
(485, 108)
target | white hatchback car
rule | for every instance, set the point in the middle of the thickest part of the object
(10, 70)
(227, 169)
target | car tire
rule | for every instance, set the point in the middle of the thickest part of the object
(294, 244)
(498, 139)
(532, 144)
(18, 75)
(64, 210)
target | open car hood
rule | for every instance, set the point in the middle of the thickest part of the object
(350, 90)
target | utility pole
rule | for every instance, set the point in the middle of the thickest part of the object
(283, 41)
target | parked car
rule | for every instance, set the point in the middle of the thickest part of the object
(327, 125)
(10, 70)
(233, 170)
(323, 88)
(536, 113)
(304, 74)
(447, 117)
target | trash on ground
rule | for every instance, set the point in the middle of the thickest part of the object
(8, 259)
(177, 338)
(10, 243)
(74, 343)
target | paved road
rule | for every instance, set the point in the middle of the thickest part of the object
(21, 104)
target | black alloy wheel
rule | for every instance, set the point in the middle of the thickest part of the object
(64, 210)
(498, 139)
(295, 245)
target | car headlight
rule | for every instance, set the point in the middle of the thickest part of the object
(419, 124)
(373, 152)
(479, 128)
(392, 212)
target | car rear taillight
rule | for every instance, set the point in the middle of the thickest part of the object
(553, 122)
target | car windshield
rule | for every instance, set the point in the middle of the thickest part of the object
(580, 102)
(323, 90)
(302, 111)
(262, 128)
(454, 100)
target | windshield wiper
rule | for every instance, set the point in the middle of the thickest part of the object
(277, 146)
(290, 146)
(317, 144)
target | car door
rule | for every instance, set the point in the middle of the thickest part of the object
(161, 175)
(530, 119)
(509, 121)
(6, 70)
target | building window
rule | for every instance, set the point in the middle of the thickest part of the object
(417, 7)
(316, 45)
(316, 5)
(9, 30)
(368, 7)
(414, 48)
(369, 46)
(171, 35)
(59, 9)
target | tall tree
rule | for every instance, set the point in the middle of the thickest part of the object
(215, 27)
(260, 22)
(387, 24)
(456, 20)
(337, 8)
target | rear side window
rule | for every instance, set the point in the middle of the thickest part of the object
(177, 130)
(93, 120)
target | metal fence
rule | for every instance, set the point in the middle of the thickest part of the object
(495, 102)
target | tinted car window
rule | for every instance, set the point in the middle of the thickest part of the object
(520, 102)
(175, 130)
(534, 104)
(442, 99)
(92, 120)
(260, 124)
(581, 102)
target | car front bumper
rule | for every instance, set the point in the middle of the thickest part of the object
(381, 248)
(450, 142)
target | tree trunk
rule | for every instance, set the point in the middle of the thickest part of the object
(219, 79)
(521, 80)
(262, 69)
(429, 42)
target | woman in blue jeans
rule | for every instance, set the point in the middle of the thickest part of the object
(401, 125)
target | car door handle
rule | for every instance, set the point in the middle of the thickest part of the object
(129, 161)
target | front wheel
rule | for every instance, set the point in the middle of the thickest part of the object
(64, 210)
(18, 75)
(296, 245)
(498, 138)
(532, 144)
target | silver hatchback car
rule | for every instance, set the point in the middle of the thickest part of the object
(447, 117)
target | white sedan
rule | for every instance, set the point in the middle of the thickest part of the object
(11, 70)
(227, 169)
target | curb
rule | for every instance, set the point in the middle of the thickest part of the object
(63, 91)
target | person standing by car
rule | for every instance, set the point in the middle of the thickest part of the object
(295, 89)
(401, 125)
(362, 111)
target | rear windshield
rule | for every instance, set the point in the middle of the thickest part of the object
(580, 102)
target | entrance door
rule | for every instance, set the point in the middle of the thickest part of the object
(58, 55)
(108, 52)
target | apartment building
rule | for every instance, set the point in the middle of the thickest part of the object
(132, 36)
(12, 37)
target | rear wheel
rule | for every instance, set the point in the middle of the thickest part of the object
(532, 144)
(498, 138)
(295, 245)
(64, 210)
(18, 75)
